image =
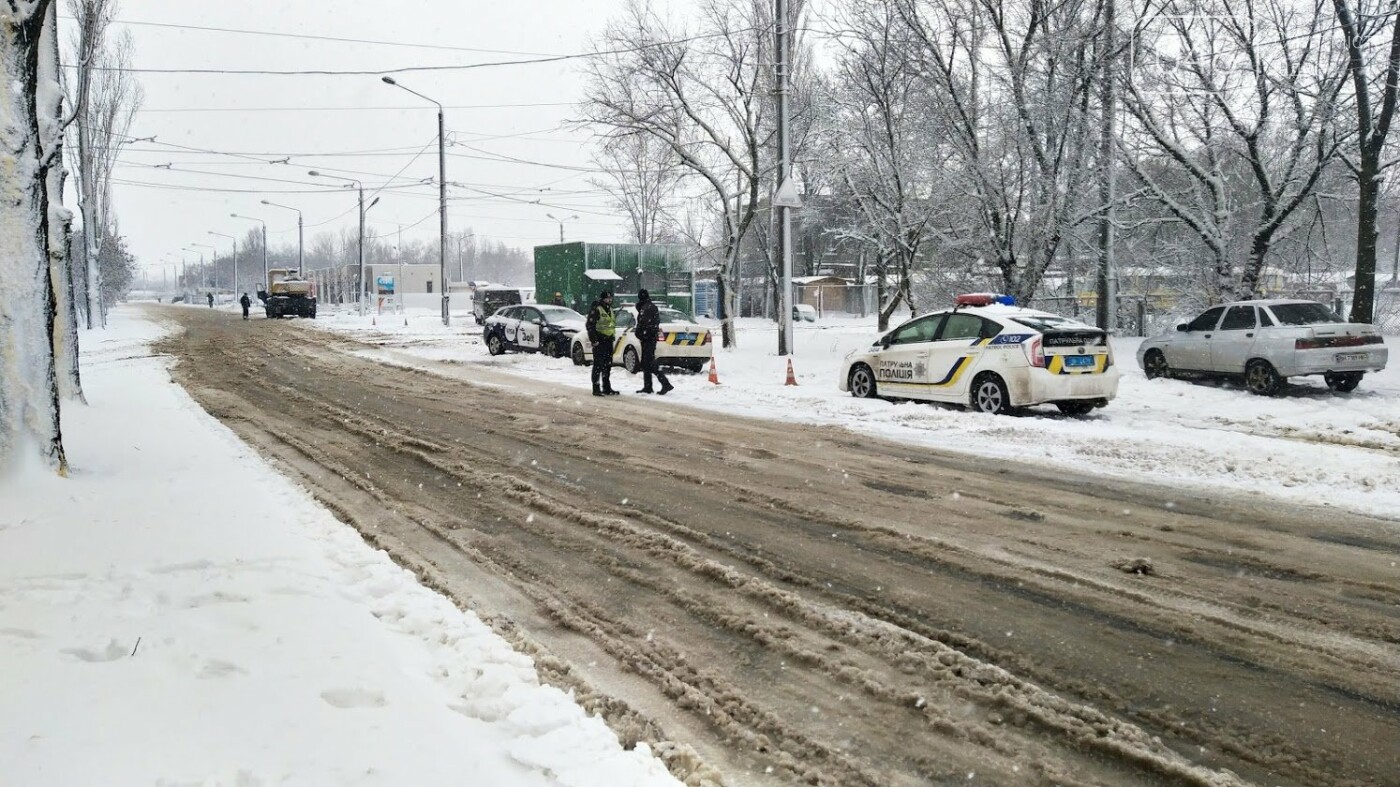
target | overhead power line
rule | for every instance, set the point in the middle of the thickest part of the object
(332, 39)
(408, 69)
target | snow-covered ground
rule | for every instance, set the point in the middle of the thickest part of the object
(177, 612)
(1310, 446)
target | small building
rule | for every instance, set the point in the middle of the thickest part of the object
(337, 285)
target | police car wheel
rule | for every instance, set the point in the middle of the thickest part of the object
(630, 361)
(863, 382)
(494, 345)
(577, 355)
(989, 395)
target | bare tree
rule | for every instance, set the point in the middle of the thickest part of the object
(1233, 107)
(1362, 25)
(29, 395)
(1014, 83)
(703, 96)
(887, 159)
(643, 176)
(106, 99)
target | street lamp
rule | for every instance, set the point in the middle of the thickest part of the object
(263, 283)
(561, 223)
(234, 288)
(442, 196)
(202, 268)
(360, 289)
(301, 240)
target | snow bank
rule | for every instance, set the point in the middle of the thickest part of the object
(178, 613)
(1310, 446)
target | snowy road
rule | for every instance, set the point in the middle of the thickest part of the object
(802, 603)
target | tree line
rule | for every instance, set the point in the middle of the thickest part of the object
(952, 143)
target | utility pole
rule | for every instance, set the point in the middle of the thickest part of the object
(442, 196)
(234, 288)
(786, 196)
(301, 239)
(1107, 312)
(360, 187)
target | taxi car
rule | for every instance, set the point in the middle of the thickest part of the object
(1264, 342)
(989, 355)
(682, 341)
(532, 328)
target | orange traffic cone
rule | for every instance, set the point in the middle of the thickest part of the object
(791, 379)
(714, 375)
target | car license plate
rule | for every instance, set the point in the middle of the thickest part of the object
(1079, 361)
(1349, 357)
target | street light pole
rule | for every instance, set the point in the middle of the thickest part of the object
(561, 223)
(263, 283)
(359, 290)
(208, 272)
(442, 197)
(301, 237)
(234, 288)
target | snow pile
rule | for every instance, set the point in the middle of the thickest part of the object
(179, 613)
(1309, 446)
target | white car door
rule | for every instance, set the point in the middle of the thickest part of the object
(902, 367)
(529, 327)
(1190, 348)
(953, 353)
(509, 320)
(1232, 344)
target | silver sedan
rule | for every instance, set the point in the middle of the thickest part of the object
(1265, 342)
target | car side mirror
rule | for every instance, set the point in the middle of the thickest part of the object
(1183, 327)
(885, 342)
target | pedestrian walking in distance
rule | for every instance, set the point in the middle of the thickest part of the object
(648, 331)
(246, 304)
(211, 300)
(602, 332)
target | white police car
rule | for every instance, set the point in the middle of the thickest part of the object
(989, 355)
(682, 342)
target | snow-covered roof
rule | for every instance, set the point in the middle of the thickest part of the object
(602, 274)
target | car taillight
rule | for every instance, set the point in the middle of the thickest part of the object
(707, 338)
(1035, 354)
(1321, 342)
(661, 336)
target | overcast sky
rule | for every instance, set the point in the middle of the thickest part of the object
(513, 111)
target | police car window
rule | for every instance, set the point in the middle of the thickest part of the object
(674, 315)
(625, 319)
(920, 330)
(961, 326)
(1207, 320)
(1239, 318)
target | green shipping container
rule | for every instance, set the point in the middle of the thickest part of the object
(579, 271)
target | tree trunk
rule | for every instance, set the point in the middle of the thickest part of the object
(29, 401)
(1363, 301)
(1258, 252)
(60, 228)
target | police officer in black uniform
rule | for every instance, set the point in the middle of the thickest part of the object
(648, 331)
(602, 331)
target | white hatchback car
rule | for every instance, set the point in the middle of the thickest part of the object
(989, 356)
(1265, 342)
(682, 342)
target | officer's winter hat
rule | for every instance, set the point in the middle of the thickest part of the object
(604, 294)
(643, 295)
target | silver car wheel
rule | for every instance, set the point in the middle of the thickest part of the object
(989, 395)
(862, 382)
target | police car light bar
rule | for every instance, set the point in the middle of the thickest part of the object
(985, 299)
